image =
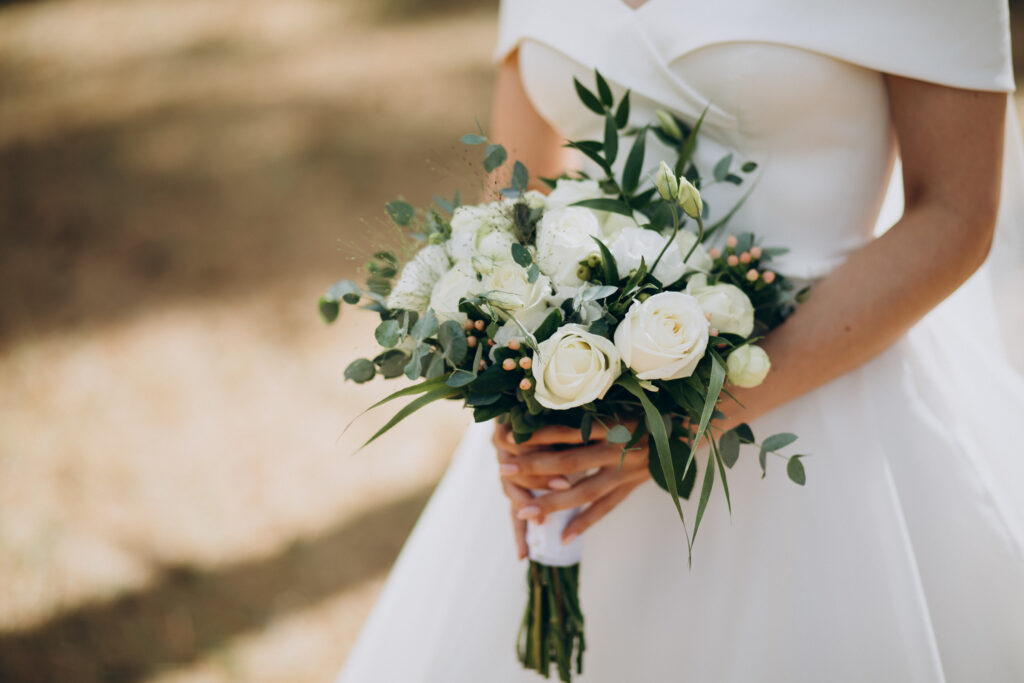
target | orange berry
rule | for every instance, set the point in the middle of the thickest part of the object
(714, 252)
(752, 275)
(525, 384)
(479, 324)
(514, 344)
(732, 260)
(508, 364)
(755, 252)
(769, 277)
(525, 363)
(731, 241)
(471, 342)
(745, 257)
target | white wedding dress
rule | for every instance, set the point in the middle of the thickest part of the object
(902, 559)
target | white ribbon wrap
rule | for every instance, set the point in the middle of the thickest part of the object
(544, 541)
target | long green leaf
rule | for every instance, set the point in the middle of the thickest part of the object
(690, 144)
(608, 265)
(634, 163)
(611, 138)
(705, 494)
(654, 422)
(412, 407)
(721, 472)
(714, 388)
(428, 385)
(589, 99)
(605, 204)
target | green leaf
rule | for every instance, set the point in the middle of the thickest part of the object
(412, 407)
(608, 265)
(705, 494)
(425, 327)
(400, 211)
(795, 470)
(744, 432)
(453, 341)
(749, 167)
(586, 423)
(722, 167)
(360, 370)
(520, 177)
(344, 290)
(592, 155)
(603, 91)
(777, 441)
(532, 273)
(762, 460)
(721, 473)
(618, 434)
(414, 368)
(391, 363)
(436, 367)
(521, 255)
(664, 451)
(622, 113)
(611, 138)
(460, 378)
(684, 482)
(634, 163)
(387, 333)
(547, 328)
(495, 156)
(714, 388)
(476, 398)
(729, 447)
(473, 139)
(690, 145)
(329, 310)
(605, 204)
(588, 98)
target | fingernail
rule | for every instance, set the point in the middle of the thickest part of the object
(559, 484)
(507, 469)
(569, 539)
(528, 512)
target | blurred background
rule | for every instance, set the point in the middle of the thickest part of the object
(179, 181)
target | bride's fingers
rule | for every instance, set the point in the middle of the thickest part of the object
(585, 491)
(598, 509)
(550, 463)
(519, 528)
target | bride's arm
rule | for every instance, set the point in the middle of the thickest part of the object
(951, 145)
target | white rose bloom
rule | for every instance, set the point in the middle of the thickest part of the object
(564, 238)
(730, 309)
(508, 287)
(747, 366)
(573, 367)
(568, 192)
(471, 227)
(663, 337)
(615, 222)
(634, 244)
(416, 282)
(461, 281)
(699, 260)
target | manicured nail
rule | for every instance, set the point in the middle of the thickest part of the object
(507, 469)
(569, 539)
(528, 512)
(559, 484)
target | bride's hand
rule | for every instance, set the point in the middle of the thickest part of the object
(535, 465)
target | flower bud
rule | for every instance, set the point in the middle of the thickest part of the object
(665, 181)
(747, 366)
(689, 199)
(479, 324)
(643, 296)
(668, 124)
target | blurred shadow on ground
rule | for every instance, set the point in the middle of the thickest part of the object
(189, 611)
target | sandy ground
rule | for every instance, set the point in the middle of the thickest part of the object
(179, 181)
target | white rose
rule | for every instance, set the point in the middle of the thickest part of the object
(615, 222)
(699, 260)
(461, 281)
(747, 366)
(568, 192)
(573, 367)
(416, 282)
(730, 309)
(634, 244)
(485, 228)
(508, 287)
(564, 238)
(663, 337)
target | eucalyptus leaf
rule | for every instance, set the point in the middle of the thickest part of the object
(494, 157)
(532, 273)
(521, 255)
(722, 167)
(520, 177)
(344, 290)
(328, 310)
(618, 434)
(460, 378)
(744, 432)
(762, 460)
(729, 447)
(387, 333)
(473, 139)
(777, 441)
(425, 327)
(453, 341)
(749, 167)
(795, 470)
(360, 370)
(391, 363)
(400, 211)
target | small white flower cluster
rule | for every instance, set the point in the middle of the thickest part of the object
(662, 337)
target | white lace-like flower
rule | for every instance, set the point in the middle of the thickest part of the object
(416, 282)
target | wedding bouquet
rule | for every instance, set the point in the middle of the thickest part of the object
(597, 303)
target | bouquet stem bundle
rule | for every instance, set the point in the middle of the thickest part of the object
(552, 628)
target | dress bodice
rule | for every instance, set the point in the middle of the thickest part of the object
(803, 104)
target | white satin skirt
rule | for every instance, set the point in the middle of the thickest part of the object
(902, 559)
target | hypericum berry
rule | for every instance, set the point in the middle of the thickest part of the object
(526, 362)
(514, 344)
(508, 364)
(714, 252)
(468, 325)
(490, 342)
(752, 275)
(755, 252)
(583, 273)
(745, 257)
(769, 277)
(731, 241)
(713, 331)
(643, 296)
(479, 325)
(732, 260)
(471, 341)
(525, 384)
(593, 260)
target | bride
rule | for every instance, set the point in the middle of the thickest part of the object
(902, 559)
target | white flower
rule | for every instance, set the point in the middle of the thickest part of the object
(699, 260)
(508, 287)
(573, 367)
(564, 238)
(615, 222)
(663, 337)
(414, 286)
(483, 229)
(634, 244)
(730, 309)
(589, 310)
(568, 192)
(461, 281)
(747, 366)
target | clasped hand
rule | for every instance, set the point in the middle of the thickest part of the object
(571, 475)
